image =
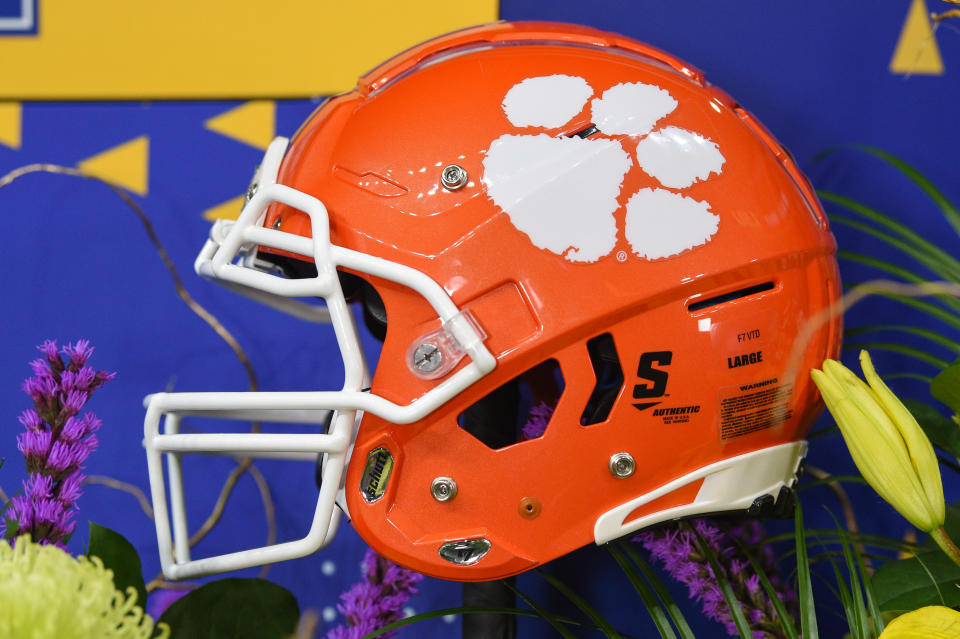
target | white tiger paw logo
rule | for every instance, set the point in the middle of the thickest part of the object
(562, 192)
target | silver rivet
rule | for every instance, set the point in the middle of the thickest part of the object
(453, 177)
(276, 223)
(252, 190)
(465, 552)
(443, 489)
(427, 357)
(622, 465)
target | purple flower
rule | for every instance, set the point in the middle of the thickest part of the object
(378, 601)
(677, 549)
(537, 420)
(56, 442)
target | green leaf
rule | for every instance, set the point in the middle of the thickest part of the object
(808, 615)
(235, 608)
(646, 595)
(580, 603)
(909, 584)
(118, 555)
(672, 608)
(946, 386)
(11, 522)
(944, 433)
(12, 526)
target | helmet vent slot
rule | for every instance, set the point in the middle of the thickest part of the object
(729, 297)
(518, 410)
(609, 374)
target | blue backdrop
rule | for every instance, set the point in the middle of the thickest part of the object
(76, 263)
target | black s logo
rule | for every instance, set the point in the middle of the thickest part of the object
(656, 377)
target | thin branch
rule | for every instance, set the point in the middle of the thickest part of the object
(201, 312)
(160, 582)
(122, 486)
(857, 294)
(308, 625)
(225, 492)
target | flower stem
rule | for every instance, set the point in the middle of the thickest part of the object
(946, 544)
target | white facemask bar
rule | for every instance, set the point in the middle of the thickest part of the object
(216, 261)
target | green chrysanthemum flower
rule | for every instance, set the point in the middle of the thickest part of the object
(45, 594)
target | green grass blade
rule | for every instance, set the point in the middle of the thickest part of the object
(856, 592)
(672, 608)
(933, 579)
(943, 270)
(874, 608)
(547, 616)
(472, 610)
(949, 210)
(844, 595)
(808, 615)
(656, 611)
(903, 349)
(933, 253)
(926, 334)
(877, 541)
(783, 615)
(832, 479)
(896, 271)
(443, 612)
(926, 379)
(736, 610)
(581, 603)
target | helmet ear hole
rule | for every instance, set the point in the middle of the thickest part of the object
(518, 410)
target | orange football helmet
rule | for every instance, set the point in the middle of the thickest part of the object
(588, 267)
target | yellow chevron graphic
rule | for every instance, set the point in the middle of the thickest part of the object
(917, 51)
(229, 210)
(253, 123)
(10, 124)
(125, 165)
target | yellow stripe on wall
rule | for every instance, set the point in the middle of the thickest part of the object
(217, 48)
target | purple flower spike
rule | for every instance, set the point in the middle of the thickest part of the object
(677, 549)
(378, 601)
(56, 442)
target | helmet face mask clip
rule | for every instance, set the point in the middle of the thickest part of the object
(588, 334)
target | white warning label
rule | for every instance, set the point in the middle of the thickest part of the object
(747, 408)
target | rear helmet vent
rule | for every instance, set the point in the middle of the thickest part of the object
(729, 297)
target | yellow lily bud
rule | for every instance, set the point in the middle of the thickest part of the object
(931, 622)
(888, 446)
